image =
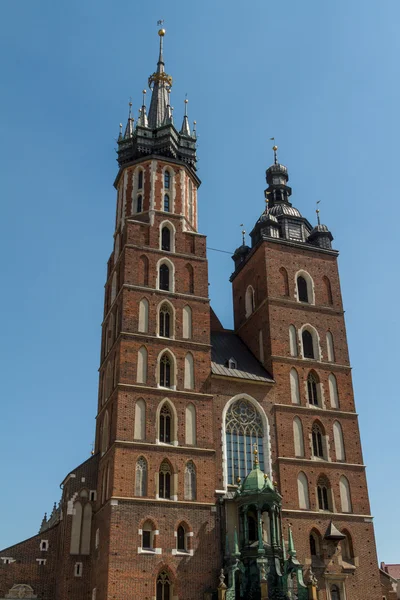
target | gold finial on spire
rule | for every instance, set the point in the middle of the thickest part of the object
(317, 211)
(161, 32)
(144, 92)
(274, 148)
(255, 452)
(243, 234)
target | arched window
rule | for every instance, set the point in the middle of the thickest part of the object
(328, 291)
(315, 544)
(308, 344)
(249, 300)
(339, 442)
(333, 392)
(140, 179)
(164, 591)
(148, 536)
(187, 323)
(190, 201)
(323, 494)
(298, 437)
(143, 316)
(189, 372)
(302, 488)
(167, 179)
(329, 347)
(166, 379)
(76, 528)
(114, 287)
(164, 277)
(302, 291)
(243, 426)
(190, 423)
(165, 320)
(143, 272)
(164, 481)
(293, 340)
(335, 593)
(181, 539)
(317, 441)
(294, 386)
(165, 424)
(166, 239)
(347, 546)
(141, 477)
(190, 481)
(142, 365)
(345, 498)
(86, 528)
(140, 420)
(313, 389)
(284, 282)
(105, 435)
(166, 203)
(190, 279)
(139, 203)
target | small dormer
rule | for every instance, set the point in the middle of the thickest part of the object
(232, 363)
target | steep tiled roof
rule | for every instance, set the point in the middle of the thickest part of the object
(226, 345)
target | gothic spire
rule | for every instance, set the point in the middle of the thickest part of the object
(129, 124)
(159, 82)
(168, 119)
(142, 120)
(185, 129)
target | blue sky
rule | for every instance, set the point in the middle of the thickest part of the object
(321, 77)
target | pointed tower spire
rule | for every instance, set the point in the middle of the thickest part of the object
(194, 129)
(185, 129)
(159, 83)
(169, 119)
(291, 548)
(129, 124)
(142, 120)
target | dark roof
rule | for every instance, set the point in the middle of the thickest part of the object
(226, 345)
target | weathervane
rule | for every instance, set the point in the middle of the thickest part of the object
(243, 234)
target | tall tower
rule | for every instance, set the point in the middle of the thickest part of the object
(288, 310)
(154, 409)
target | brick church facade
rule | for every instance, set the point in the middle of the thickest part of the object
(227, 464)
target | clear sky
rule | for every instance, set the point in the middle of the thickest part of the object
(321, 77)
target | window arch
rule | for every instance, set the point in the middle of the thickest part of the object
(140, 179)
(328, 290)
(335, 592)
(164, 480)
(166, 275)
(165, 320)
(143, 272)
(308, 344)
(165, 424)
(143, 316)
(339, 442)
(187, 323)
(190, 425)
(249, 301)
(105, 434)
(164, 587)
(333, 392)
(324, 493)
(315, 544)
(141, 477)
(148, 533)
(330, 347)
(190, 279)
(141, 376)
(167, 179)
(345, 497)
(293, 340)
(166, 206)
(140, 420)
(294, 386)
(347, 546)
(166, 367)
(284, 281)
(318, 441)
(189, 372)
(302, 488)
(181, 539)
(113, 287)
(313, 389)
(166, 239)
(298, 437)
(304, 287)
(190, 481)
(243, 428)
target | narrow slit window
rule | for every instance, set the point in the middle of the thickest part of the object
(166, 203)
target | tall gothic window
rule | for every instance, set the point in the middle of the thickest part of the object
(140, 180)
(308, 344)
(317, 441)
(141, 477)
(166, 239)
(312, 389)
(164, 481)
(139, 203)
(243, 426)
(167, 180)
(323, 492)
(302, 289)
(190, 481)
(165, 371)
(335, 593)
(166, 203)
(165, 424)
(181, 539)
(165, 321)
(163, 587)
(164, 277)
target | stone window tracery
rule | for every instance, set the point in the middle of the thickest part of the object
(244, 428)
(163, 587)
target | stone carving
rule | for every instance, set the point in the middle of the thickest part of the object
(21, 590)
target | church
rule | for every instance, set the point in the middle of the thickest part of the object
(227, 463)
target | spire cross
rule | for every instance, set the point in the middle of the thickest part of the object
(317, 211)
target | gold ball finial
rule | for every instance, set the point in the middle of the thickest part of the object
(186, 100)
(144, 92)
(275, 148)
(161, 32)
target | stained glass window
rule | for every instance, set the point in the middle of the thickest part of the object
(243, 428)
